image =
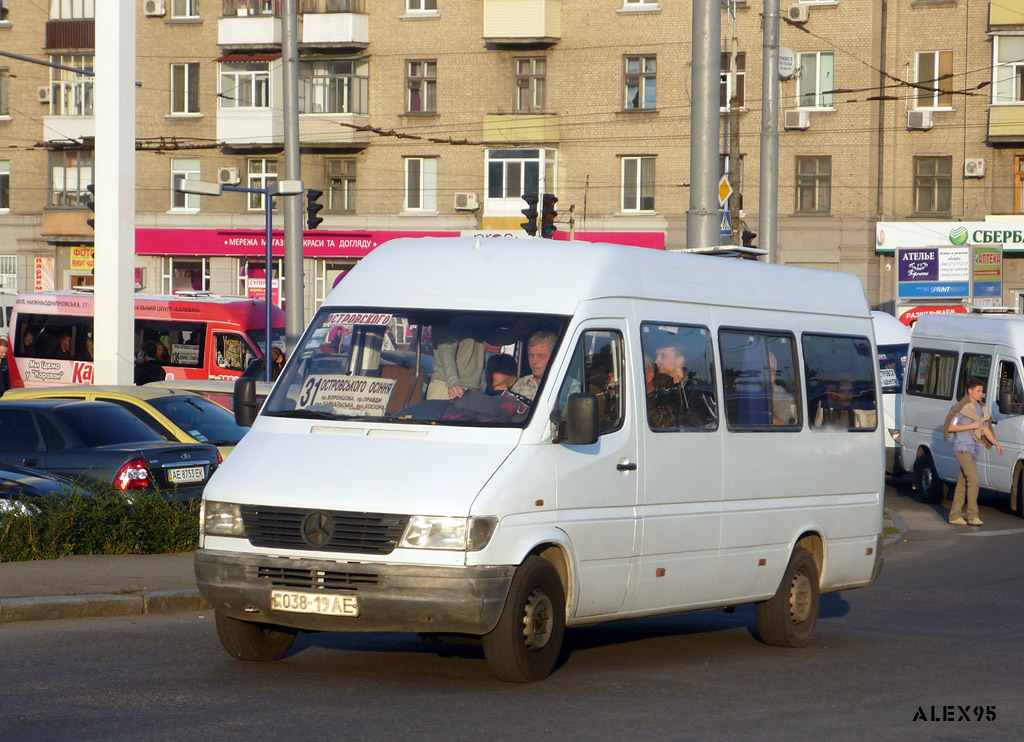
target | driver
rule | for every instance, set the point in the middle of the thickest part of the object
(538, 354)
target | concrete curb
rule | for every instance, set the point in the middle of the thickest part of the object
(894, 538)
(101, 605)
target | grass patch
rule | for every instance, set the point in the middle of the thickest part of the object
(98, 521)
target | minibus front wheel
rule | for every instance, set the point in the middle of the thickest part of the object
(527, 641)
(787, 619)
(255, 642)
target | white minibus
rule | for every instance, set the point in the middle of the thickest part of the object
(499, 438)
(893, 339)
(946, 351)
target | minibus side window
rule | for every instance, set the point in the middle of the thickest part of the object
(931, 372)
(840, 381)
(597, 368)
(233, 353)
(973, 366)
(1011, 396)
(180, 344)
(759, 371)
(679, 376)
(54, 337)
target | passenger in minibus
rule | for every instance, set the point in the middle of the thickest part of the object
(28, 343)
(501, 373)
(458, 361)
(538, 354)
(783, 403)
(691, 407)
(63, 349)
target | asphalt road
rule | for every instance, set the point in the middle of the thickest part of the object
(939, 629)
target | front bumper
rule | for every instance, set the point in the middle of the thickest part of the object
(448, 600)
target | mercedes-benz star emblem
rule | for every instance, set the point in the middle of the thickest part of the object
(317, 529)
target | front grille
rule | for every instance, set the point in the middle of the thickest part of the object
(315, 578)
(359, 533)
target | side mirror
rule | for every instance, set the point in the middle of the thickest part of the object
(582, 425)
(245, 402)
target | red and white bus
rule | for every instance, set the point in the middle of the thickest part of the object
(198, 336)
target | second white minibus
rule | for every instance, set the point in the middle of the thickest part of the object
(685, 432)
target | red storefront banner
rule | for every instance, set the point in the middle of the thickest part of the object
(911, 315)
(325, 244)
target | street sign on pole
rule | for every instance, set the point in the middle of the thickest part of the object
(724, 190)
(726, 223)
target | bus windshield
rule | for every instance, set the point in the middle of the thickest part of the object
(892, 362)
(418, 366)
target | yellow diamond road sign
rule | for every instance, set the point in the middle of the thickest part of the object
(724, 190)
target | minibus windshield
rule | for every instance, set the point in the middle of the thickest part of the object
(434, 367)
(892, 362)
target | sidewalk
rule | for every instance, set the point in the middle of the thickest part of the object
(90, 586)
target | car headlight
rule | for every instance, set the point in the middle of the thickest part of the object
(222, 519)
(895, 433)
(454, 534)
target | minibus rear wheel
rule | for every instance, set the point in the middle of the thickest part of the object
(525, 644)
(254, 642)
(787, 619)
(926, 479)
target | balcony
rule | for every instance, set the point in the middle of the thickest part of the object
(250, 24)
(74, 33)
(1006, 13)
(1006, 123)
(334, 24)
(326, 131)
(520, 128)
(64, 128)
(522, 22)
(66, 223)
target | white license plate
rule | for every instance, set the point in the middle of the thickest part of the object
(186, 474)
(328, 605)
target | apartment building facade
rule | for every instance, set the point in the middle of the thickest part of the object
(432, 117)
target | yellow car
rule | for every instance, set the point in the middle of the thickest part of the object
(175, 415)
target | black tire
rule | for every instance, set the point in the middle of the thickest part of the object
(926, 479)
(1020, 493)
(253, 642)
(788, 618)
(525, 644)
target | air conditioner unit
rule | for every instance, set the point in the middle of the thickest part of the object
(466, 202)
(797, 118)
(228, 176)
(974, 167)
(798, 13)
(43, 91)
(155, 8)
(919, 119)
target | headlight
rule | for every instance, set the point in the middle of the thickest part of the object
(895, 433)
(222, 519)
(455, 534)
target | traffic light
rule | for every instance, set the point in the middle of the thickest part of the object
(547, 216)
(530, 212)
(91, 206)
(313, 208)
(748, 238)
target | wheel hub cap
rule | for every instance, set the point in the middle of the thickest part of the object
(538, 620)
(800, 598)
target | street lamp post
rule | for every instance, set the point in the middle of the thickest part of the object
(277, 188)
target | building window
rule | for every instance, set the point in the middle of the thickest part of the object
(512, 172)
(185, 88)
(5, 82)
(334, 86)
(252, 7)
(530, 84)
(70, 9)
(244, 85)
(817, 80)
(935, 74)
(71, 92)
(262, 172)
(641, 2)
(187, 168)
(185, 274)
(814, 185)
(5, 185)
(641, 82)
(421, 184)
(421, 6)
(70, 173)
(725, 88)
(421, 79)
(638, 184)
(341, 185)
(933, 184)
(184, 8)
(1018, 185)
(8, 271)
(1008, 82)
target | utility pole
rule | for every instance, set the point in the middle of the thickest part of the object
(114, 180)
(734, 133)
(702, 225)
(768, 207)
(294, 273)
